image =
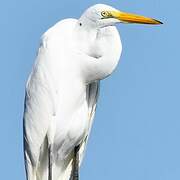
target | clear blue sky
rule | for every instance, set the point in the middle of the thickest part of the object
(136, 134)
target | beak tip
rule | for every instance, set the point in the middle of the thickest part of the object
(158, 22)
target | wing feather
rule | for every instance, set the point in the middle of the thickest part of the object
(39, 110)
(92, 92)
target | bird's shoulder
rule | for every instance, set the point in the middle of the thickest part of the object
(58, 35)
(60, 28)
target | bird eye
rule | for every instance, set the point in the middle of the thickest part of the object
(104, 13)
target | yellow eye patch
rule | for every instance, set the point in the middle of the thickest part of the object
(106, 14)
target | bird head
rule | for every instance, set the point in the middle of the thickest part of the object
(101, 15)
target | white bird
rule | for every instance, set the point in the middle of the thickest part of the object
(62, 89)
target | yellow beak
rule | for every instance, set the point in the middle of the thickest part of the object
(133, 18)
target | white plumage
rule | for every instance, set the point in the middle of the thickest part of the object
(62, 90)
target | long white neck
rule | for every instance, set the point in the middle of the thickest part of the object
(100, 50)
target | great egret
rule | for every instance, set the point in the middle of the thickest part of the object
(62, 89)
